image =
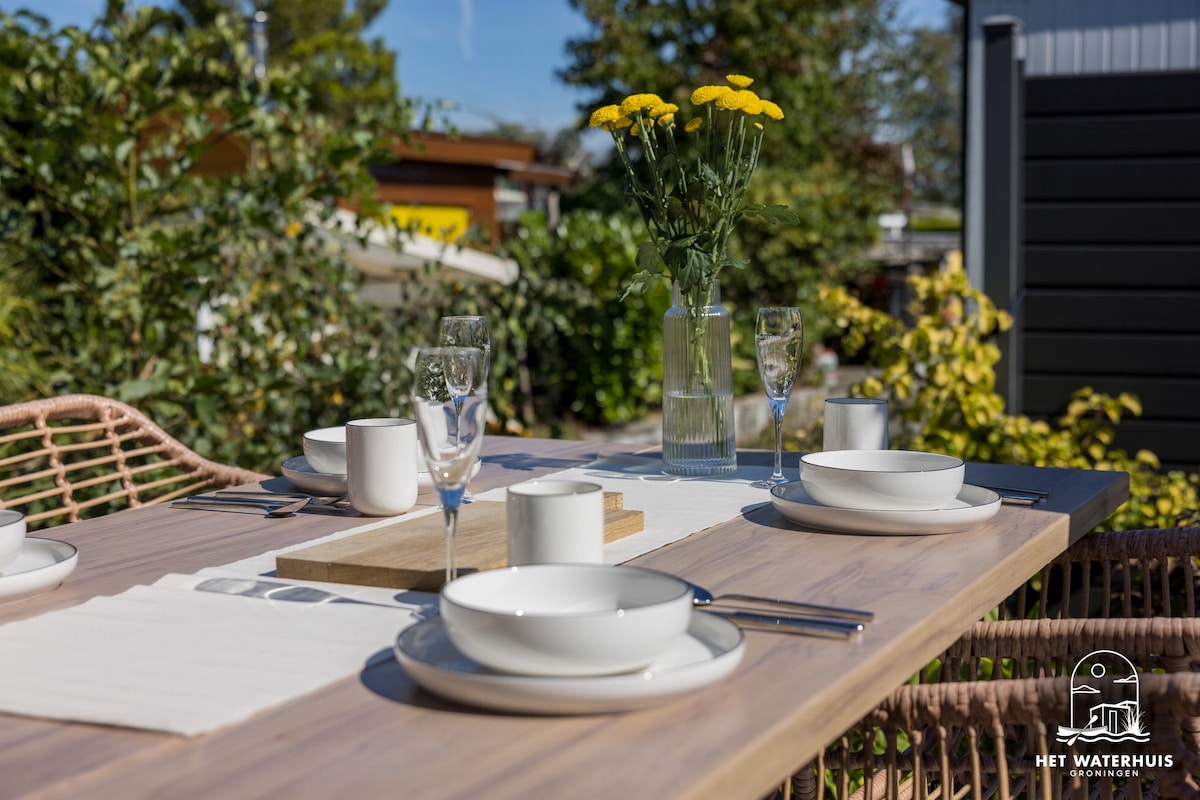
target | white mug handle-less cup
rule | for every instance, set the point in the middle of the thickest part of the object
(12, 535)
(856, 423)
(381, 465)
(555, 522)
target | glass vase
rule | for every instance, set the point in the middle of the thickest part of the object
(697, 426)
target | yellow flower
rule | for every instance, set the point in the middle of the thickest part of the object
(771, 110)
(636, 102)
(739, 100)
(758, 126)
(694, 125)
(666, 120)
(662, 109)
(634, 129)
(604, 115)
(623, 122)
(740, 81)
(706, 94)
(293, 229)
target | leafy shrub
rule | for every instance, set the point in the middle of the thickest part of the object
(938, 374)
(123, 233)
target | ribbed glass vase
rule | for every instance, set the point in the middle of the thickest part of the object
(697, 428)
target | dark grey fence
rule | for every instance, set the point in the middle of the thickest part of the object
(1105, 273)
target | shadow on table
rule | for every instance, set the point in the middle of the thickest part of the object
(532, 463)
(766, 515)
(383, 676)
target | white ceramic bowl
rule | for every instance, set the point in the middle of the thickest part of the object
(882, 480)
(12, 535)
(325, 449)
(566, 619)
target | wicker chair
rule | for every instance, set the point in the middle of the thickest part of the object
(64, 458)
(979, 714)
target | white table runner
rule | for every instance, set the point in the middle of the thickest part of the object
(166, 657)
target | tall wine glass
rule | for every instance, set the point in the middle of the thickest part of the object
(467, 332)
(450, 426)
(778, 345)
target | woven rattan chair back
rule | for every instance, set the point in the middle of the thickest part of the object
(976, 719)
(984, 739)
(66, 458)
(1136, 573)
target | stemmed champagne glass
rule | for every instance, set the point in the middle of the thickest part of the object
(778, 345)
(450, 405)
(467, 332)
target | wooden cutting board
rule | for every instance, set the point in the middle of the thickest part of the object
(411, 554)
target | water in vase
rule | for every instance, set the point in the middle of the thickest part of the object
(699, 438)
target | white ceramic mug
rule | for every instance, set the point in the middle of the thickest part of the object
(12, 535)
(381, 465)
(555, 522)
(856, 423)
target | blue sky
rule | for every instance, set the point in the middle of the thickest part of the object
(494, 59)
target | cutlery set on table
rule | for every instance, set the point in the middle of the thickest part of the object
(274, 504)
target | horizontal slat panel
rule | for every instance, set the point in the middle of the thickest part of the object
(1177, 444)
(1161, 223)
(1081, 137)
(1117, 179)
(1148, 266)
(1141, 311)
(1146, 92)
(1112, 183)
(1161, 398)
(1114, 354)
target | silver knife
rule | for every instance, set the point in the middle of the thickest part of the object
(826, 628)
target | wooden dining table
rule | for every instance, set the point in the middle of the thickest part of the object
(376, 734)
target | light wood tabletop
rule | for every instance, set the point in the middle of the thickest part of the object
(377, 735)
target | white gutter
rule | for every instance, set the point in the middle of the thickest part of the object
(388, 257)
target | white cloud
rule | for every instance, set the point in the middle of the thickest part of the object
(466, 26)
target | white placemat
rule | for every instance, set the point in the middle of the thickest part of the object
(167, 657)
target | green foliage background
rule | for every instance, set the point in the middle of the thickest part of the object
(116, 233)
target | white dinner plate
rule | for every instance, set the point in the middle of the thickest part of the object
(41, 565)
(326, 484)
(973, 505)
(710, 650)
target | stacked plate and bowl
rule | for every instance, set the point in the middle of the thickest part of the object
(568, 639)
(891, 492)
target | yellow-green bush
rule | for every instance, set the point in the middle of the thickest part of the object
(938, 373)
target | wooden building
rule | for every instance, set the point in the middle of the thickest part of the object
(1082, 211)
(446, 185)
